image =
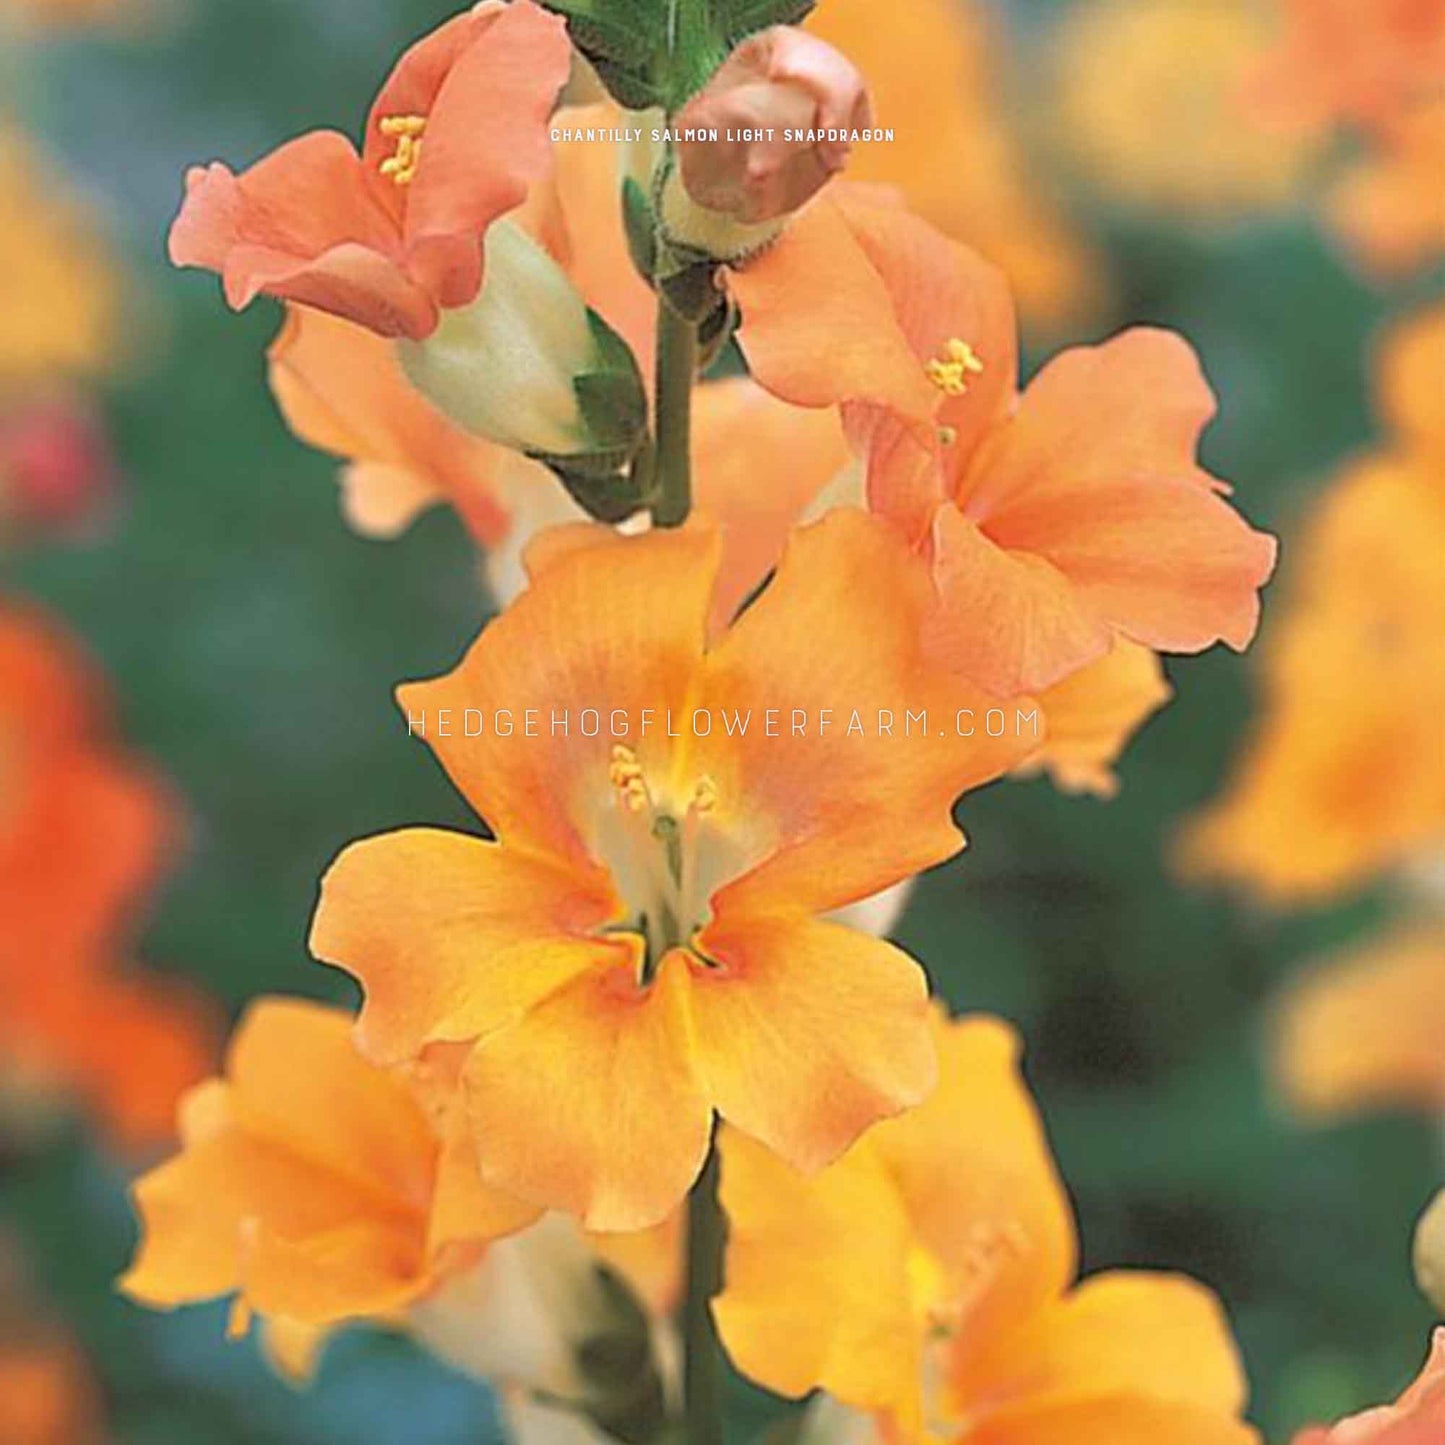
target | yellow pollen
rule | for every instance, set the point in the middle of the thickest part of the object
(704, 796)
(407, 132)
(950, 372)
(947, 435)
(625, 774)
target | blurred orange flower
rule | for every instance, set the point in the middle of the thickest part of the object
(1152, 107)
(59, 292)
(1364, 1032)
(1053, 522)
(1344, 777)
(1417, 1418)
(928, 1279)
(1390, 207)
(643, 939)
(1354, 61)
(83, 832)
(46, 1394)
(388, 237)
(933, 73)
(312, 1185)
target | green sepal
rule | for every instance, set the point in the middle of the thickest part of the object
(735, 20)
(611, 397)
(715, 332)
(626, 41)
(599, 482)
(640, 220)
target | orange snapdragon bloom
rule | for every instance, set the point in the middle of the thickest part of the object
(58, 290)
(1341, 61)
(1052, 522)
(1364, 1031)
(1390, 207)
(389, 237)
(927, 1278)
(313, 1186)
(83, 831)
(1344, 777)
(1416, 1418)
(642, 946)
(932, 71)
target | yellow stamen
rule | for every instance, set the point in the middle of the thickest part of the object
(625, 774)
(704, 795)
(950, 372)
(407, 132)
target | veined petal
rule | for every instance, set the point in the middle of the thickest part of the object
(607, 1064)
(984, 1193)
(1091, 715)
(1096, 474)
(819, 325)
(556, 650)
(303, 223)
(818, 1293)
(836, 811)
(758, 464)
(1119, 1420)
(486, 140)
(453, 937)
(1009, 620)
(808, 1032)
(1157, 1337)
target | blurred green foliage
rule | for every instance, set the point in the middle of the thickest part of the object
(253, 643)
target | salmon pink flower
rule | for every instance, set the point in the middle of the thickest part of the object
(1052, 522)
(390, 237)
(927, 1279)
(642, 946)
(1416, 1418)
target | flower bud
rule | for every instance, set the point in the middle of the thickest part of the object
(522, 365)
(1430, 1253)
(777, 81)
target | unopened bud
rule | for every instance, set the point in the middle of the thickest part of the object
(779, 81)
(1430, 1253)
(514, 366)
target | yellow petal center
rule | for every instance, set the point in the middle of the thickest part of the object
(407, 132)
(663, 855)
(950, 371)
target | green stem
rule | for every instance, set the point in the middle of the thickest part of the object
(702, 1362)
(676, 372)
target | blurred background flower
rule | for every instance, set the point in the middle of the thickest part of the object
(153, 505)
